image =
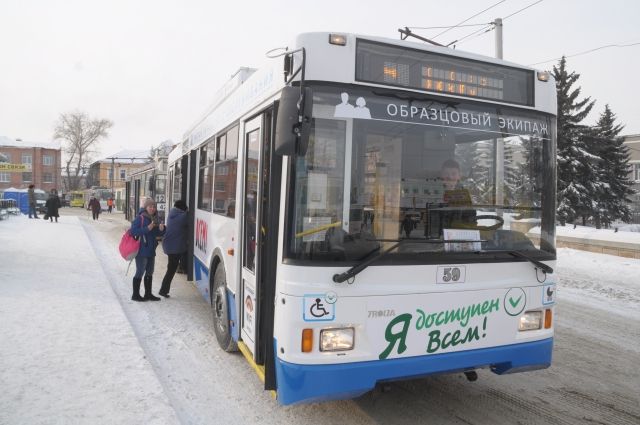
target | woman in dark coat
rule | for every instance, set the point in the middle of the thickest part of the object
(94, 206)
(174, 243)
(52, 204)
(147, 227)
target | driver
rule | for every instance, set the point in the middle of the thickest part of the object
(454, 194)
(450, 174)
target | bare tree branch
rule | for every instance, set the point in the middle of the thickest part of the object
(81, 135)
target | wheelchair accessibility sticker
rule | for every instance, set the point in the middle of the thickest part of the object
(549, 294)
(315, 308)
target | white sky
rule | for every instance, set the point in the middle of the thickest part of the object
(152, 66)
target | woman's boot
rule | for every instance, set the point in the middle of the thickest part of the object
(148, 296)
(136, 290)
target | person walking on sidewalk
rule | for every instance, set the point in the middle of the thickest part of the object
(109, 205)
(32, 201)
(174, 243)
(52, 204)
(147, 227)
(94, 206)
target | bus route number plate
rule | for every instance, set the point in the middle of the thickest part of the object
(451, 274)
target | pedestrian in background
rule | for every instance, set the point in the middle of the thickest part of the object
(32, 201)
(53, 204)
(109, 205)
(94, 206)
(174, 243)
(147, 227)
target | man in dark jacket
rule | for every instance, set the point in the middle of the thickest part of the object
(94, 206)
(174, 243)
(32, 201)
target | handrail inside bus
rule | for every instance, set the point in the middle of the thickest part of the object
(318, 229)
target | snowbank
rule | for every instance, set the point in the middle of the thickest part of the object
(590, 233)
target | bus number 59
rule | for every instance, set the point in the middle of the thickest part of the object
(451, 274)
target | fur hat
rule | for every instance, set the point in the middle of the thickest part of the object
(180, 204)
(149, 202)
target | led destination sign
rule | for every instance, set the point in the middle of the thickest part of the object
(432, 72)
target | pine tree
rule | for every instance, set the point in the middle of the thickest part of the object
(479, 181)
(613, 200)
(529, 178)
(575, 194)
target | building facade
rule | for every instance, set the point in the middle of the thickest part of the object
(29, 163)
(633, 144)
(113, 171)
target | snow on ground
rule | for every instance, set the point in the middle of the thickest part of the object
(68, 354)
(627, 227)
(591, 233)
(606, 282)
(628, 233)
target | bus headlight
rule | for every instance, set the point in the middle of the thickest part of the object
(337, 339)
(530, 320)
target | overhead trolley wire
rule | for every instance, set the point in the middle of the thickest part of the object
(524, 8)
(448, 26)
(468, 19)
(587, 51)
(491, 26)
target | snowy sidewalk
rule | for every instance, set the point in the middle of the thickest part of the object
(68, 354)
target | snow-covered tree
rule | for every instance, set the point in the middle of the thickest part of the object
(479, 161)
(575, 194)
(511, 170)
(529, 183)
(613, 201)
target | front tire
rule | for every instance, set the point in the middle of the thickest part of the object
(220, 308)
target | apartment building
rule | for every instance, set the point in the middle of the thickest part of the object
(27, 163)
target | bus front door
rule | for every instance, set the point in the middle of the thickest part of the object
(250, 233)
(259, 242)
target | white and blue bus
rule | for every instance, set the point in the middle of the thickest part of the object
(384, 211)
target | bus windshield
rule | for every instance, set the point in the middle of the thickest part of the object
(381, 167)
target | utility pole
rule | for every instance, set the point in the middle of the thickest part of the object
(113, 166)
(499, 143)
(498, 24)
(113, 170)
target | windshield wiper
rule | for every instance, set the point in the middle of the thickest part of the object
(369, 259)
(519, 254)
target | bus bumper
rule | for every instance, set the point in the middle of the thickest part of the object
(313, 383)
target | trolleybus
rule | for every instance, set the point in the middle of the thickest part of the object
(148, 181)
(365, 210)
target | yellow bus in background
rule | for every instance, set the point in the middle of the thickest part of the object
(76, 198)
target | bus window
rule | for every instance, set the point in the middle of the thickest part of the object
(205, 177)
(224, 187)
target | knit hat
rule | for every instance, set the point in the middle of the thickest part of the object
(149, 202)
(180, 204)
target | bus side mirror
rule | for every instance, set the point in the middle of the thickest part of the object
(292, 136)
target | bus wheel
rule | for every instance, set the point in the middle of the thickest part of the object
(220, 307)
